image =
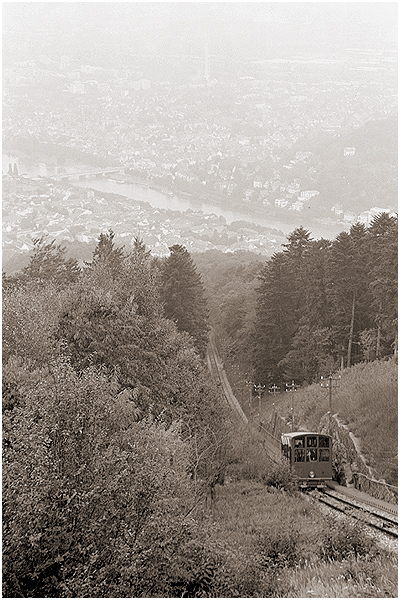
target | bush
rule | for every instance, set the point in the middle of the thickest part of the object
(342, 540)
(281, 551)
(88, 491)
(281, 477)
(250, 460)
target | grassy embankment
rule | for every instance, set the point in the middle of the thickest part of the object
(365, 400)
(270, 541)
(267, 542)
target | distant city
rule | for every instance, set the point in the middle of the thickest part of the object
(143, 146)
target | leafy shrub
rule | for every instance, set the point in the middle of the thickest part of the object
(279, 548)
(280, 476)
(255, 580)
(87, 489)
(341, 540)
(250, 459)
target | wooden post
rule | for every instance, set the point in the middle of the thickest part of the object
(353, 308)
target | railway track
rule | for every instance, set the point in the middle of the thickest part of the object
(271, 444)
(384, 523)
(368, 513)
(216, 368)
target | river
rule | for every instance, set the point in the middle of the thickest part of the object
(49, 167)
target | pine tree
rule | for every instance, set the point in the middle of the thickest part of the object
(383, 259)
(296, 251)
(183, 296)
(107, 256)
(311, 345)
(348, 287)
(275, 322)
(317, 309)
(140, 280)
(280, 305)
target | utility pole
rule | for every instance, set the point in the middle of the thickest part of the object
(330, 383)
(273, 389)
(259, 388)
(291, 387)
(249, 384)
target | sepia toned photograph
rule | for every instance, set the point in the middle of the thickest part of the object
(199, 299)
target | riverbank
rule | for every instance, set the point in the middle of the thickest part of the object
(159, 196)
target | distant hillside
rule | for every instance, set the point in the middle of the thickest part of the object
(375, 142)
(364, 180)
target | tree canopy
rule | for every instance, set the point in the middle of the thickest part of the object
(183, 296)
(320, 303)
(111, 423)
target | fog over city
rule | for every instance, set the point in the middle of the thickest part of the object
(251, 116)
(257, 30)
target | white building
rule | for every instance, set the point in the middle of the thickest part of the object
(307, 194)
(77, 87)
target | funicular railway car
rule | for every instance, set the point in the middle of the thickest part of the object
(310, 457)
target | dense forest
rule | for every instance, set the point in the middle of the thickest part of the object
(313, 307)
(113, 430)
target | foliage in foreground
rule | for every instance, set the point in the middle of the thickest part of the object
(112, 430)
(279, 545)
(107, 449)
(86, 488)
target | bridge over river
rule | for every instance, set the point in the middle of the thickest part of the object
(106, 172)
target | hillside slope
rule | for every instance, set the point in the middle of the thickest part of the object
(365, 399)
(364, 180)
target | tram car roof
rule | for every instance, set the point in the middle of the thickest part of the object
(286, 437)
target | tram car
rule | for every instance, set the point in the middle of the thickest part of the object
(310, 457)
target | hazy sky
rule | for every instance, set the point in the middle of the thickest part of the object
(247, 29)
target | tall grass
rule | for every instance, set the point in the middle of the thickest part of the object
(277, 544)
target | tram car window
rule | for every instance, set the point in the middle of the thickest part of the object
(312, 455)
(299, 455)
(323, 441)
(324, 455)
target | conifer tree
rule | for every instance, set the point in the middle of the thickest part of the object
(383, 271)
(349, 287)
(296, 251)
(183, 296)
(141, 278)
(107, 256)
(275, 322)
(310, 355)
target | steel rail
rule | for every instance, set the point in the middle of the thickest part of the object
(357, 512)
